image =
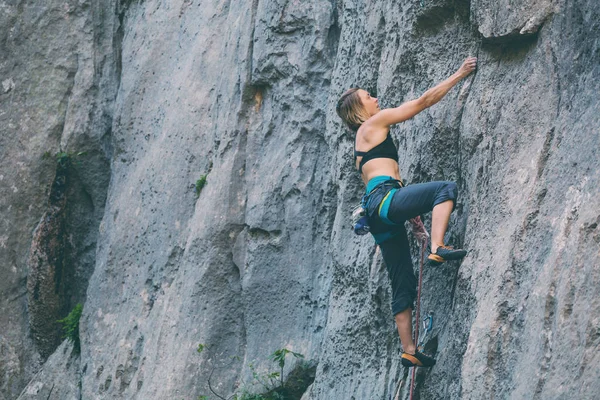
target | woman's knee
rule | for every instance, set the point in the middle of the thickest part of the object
(402, 303)
(452, 189)
(448, 191)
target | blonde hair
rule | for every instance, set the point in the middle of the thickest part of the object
(351, 110)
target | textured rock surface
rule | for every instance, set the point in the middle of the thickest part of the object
(503, 19)
(59, 379)
(263, 257)
(58, 73)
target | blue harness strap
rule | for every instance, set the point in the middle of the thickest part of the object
(377, 181)
(382, 237)
(384, 207)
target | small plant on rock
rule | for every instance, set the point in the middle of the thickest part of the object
(70, 325)
(64, 159)
(279, 357)
(275, 388)
(200, 184)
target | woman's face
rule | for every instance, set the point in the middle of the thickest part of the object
(370, 103)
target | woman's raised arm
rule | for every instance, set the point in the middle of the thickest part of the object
(391, 116)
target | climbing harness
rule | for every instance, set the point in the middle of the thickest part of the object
(360, 219)
(360, 223)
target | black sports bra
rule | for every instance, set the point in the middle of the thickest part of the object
(385, 149)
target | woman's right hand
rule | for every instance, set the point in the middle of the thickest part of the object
(468, 66)
(384, 118)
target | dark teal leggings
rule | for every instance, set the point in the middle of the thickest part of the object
(403, 204)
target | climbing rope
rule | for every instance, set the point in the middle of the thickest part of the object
(427, 325)
(418, 319)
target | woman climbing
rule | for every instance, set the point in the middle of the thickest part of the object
(388, 204)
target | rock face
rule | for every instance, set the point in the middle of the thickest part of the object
(59, 77)
(153, 95)
(59, 377)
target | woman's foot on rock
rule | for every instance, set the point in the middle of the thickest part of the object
(446, 253)
(417, 360)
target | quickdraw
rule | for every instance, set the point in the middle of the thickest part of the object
(427, 326)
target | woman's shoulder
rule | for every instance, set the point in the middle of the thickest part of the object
(371, 134)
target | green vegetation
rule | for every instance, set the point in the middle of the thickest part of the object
(63, 158)
(275, 388)
(200, 184)
(70, 325)
(279, 357)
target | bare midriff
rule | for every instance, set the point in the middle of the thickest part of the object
(376, 166)
(379, 167)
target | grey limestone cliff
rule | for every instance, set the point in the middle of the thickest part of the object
(111, 111)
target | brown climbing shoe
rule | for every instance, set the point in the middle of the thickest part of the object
(417, 360)
(445, 253)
